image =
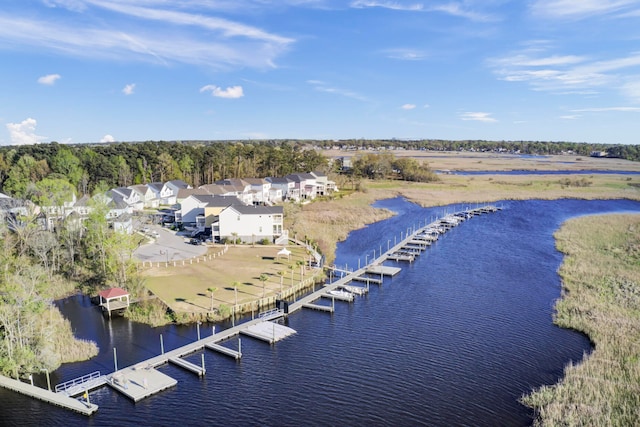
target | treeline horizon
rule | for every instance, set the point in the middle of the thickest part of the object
(95, 167)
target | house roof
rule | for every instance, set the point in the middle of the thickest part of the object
(113, 293)
(126, 192)
(239, 182)
(155, 186)
(216, 201)
(256, 181)
(258, 210)
(178, 183)
(183, 193)
(279, 180)
(297, 177)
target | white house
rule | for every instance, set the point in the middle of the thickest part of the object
(149, 198)
(250, 224)
(260, 188)
(286, 186)
(169, 192)
(323, 184)
(156, 188)
(305, 183)
(130, 197)
(193, 209)
(242, 192)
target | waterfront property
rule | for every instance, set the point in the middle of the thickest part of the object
(142, 380)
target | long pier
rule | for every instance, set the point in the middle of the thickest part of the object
(143, 380)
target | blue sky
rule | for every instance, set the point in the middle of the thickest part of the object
(77, 71)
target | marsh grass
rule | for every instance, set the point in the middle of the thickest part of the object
(601, 297)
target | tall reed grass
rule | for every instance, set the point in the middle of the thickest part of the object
(601, 297)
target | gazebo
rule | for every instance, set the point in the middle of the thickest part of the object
(284, 252)
(113, 299)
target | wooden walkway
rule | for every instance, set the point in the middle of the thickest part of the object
(57, 399)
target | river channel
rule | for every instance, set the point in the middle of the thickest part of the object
(453, 340)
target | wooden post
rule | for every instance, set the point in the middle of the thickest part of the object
(161, 345)
(240, 346)
(115, 360)
(203, 368)
(198, 328)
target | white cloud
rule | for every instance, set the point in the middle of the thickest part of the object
(568, 73)
(24, 133)
(458, 9)
(49, 79)
(324, 87)
(230, 92)
(579, 8)
(140, 34)
(128, 89)
(405, 54)
(478, 116)
(571, 116)
(408, 106)
(107, 138)
(605, 109)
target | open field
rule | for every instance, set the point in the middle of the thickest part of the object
(469, 161)
(185, 288)
(601, 297)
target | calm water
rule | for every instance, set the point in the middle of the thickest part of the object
(454, 339)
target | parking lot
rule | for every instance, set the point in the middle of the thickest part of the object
(166, 246)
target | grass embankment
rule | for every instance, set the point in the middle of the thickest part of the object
(185, 289)
(601, 297)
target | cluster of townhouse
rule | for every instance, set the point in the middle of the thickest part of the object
(235, 209)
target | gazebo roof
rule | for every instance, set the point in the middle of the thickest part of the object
(285, 252)
(113, 293)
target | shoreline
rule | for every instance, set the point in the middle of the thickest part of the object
(600, 298)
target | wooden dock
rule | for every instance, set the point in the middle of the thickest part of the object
(58, 399)
(319, 307)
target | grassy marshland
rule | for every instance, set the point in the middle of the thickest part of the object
(601, 297)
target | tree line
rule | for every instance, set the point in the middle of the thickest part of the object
(91, 167)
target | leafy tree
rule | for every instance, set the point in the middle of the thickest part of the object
(68, 165)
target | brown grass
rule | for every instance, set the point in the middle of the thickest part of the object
(184, 288)
(601, 297)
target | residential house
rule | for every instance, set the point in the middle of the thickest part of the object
(156, 189)
(286, 186)
(261, 190)
(169, 192)
(201, 210)
(250, 224)
(242, 192)
(150, 198)
(305, 183)
(323, 185)
(130, 197)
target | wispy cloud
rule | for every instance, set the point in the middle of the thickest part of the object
(128, 89)
(605, 109)
(458, 9)
(478, 116)
(141, 34)
(569, 73)
(49, 79)
(408, 106)
(24, 133)
(324, 87)
(230, 92)
(405, 54)
(571, 117)
(577, 9)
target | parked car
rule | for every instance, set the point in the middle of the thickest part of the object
(195, 241)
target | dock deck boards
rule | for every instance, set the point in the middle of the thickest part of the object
(58, 399)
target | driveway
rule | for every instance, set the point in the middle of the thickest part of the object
(168, 247)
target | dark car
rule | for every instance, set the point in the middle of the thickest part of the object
(195, 242)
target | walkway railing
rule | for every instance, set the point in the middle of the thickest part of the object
(63, 387)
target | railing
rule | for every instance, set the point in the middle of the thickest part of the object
(267, 314)
(77, 381)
